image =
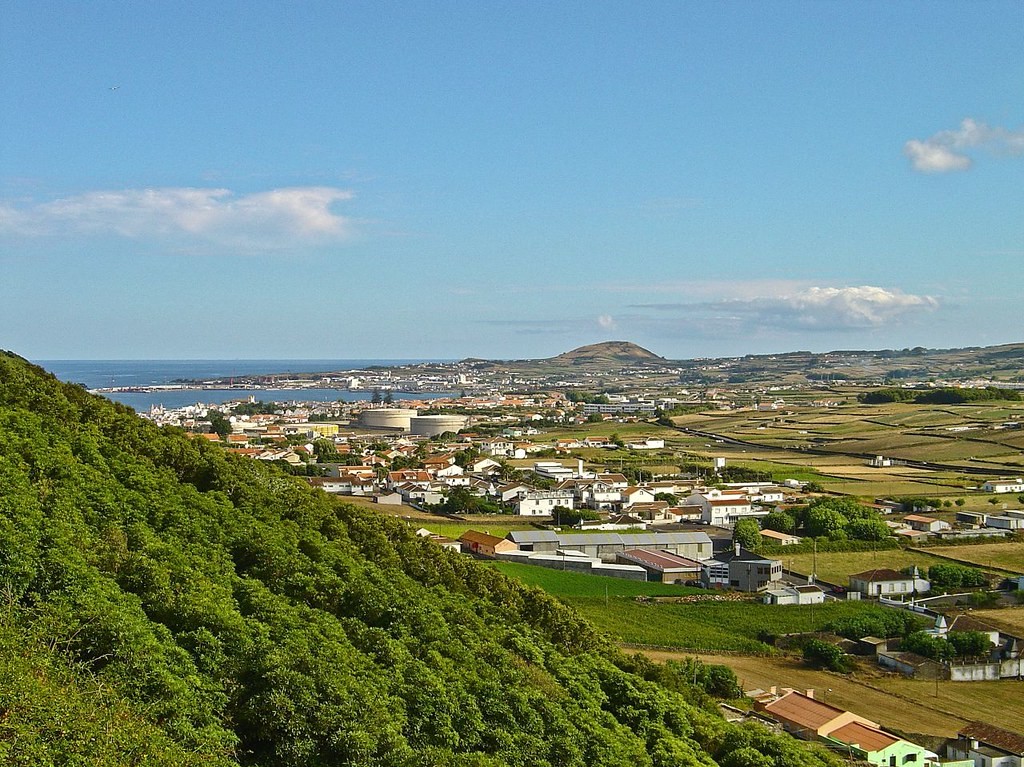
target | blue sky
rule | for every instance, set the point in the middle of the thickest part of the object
(508, 180)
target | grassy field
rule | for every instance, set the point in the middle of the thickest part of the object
(894, 701)
(570, 585)
(611, 605)
(1008, 619)
(500, 528)
(835, 567)
(917, 432)
(1004, 556)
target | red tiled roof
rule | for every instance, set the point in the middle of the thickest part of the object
(867, 738)
(807, 712)
(484, 539)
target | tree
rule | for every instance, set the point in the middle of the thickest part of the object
(952, 576)
(375, 398)
(959, 501)
(825, 521)
(572, 517)
(926, 645)
(747, 533)
(824, 655)
(969, 644)
(324, 450)
(389, 398)
(779, 521)
(219, 424)
(869, 529)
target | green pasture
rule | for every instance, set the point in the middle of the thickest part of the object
(706, 626)
(611, 605)
(564, 584)
(836, 567)
(1007, 555)
(455, 529)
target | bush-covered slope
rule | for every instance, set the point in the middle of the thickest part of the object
(166, 603)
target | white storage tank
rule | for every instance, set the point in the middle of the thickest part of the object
(395, 418)
(433, 425)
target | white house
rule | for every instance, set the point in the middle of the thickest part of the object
(722, 509)
(632, 495)
(542, 503)
(794, 595)
(648, 443)
(884, 582)
(925, 524)
(1004, 486)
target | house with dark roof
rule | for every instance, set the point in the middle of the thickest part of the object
(741, 570)
(661, 566)
(988, 746)
(693, 545)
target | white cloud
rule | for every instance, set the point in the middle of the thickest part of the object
(933, 158)
(606, 321)
(947, 150)
(814, 308)
(262, 220)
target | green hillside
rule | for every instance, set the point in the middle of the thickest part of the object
(164, 603)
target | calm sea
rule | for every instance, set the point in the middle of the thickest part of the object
(101, 374)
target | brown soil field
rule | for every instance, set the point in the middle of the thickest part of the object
(895, 702)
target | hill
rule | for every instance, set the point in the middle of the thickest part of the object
(166, 603)
(608, 352)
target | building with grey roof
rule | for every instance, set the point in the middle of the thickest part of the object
(605, 546)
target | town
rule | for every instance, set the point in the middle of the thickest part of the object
(778, 496)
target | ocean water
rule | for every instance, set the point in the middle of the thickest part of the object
(102, 374)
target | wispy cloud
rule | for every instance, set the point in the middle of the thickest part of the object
(810, 309)
(262, 220)
(606, 322)
(950, 150)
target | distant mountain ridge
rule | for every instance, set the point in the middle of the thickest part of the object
(1004, 362)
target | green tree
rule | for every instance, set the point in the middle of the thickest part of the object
(927, 646)
(821, 654)
(824, 521)
(780, 521)
(969, 644)
(747, 533)
(219, 423)
(868, 529)
(960, 501)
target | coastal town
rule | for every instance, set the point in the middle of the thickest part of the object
(734, 492)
